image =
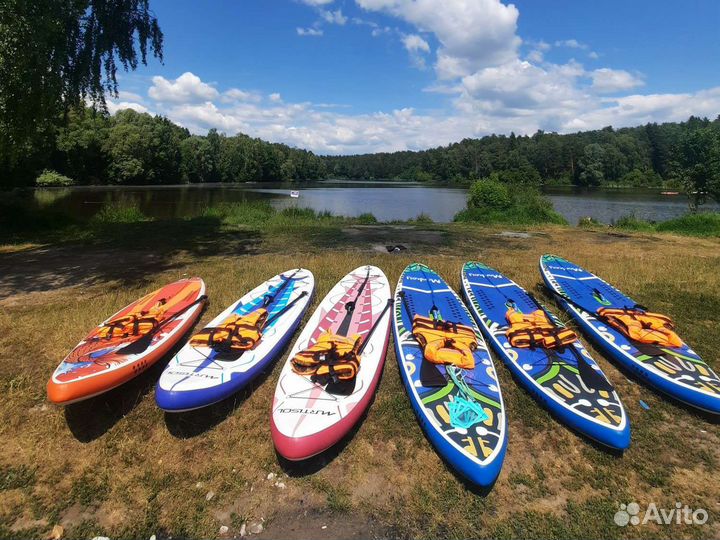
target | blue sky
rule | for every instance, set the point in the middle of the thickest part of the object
(352, 76)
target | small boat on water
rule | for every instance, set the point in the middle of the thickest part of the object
(669, 193)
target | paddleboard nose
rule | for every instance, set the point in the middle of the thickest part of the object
(618, 439)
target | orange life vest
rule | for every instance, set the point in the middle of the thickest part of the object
(536, 330)
(642, 326)
(237, 332)
(445, 342)
(136, 323)
(331, 356)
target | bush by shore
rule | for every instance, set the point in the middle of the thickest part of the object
(492, 201)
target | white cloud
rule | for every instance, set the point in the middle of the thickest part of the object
(472, 33)
(115, 106)
(235, 94)
(414, 43)
(187, 87)
(614, 80)
(416, 46)
(593, 55)
(334, 17)
(516, 96)
(129, 96)
(315, 32)
(570, 44)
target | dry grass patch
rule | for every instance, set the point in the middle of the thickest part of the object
(118, 465)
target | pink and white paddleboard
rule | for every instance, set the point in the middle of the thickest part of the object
(308, 417)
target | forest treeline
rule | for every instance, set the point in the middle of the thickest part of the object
(130, 147)
(649, 155)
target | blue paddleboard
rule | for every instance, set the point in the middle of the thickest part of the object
(200, 375)
(676, 371)
(557, 378)
(460, 410)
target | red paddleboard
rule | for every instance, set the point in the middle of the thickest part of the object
(107, 357)
(308, 416)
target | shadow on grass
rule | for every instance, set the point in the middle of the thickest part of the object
(125, 252)
(92, 418)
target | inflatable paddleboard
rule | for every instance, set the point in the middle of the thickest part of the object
(566, 380)
(200, 374)
(116, 351)
(310, 416)
(677, 371)
(460, 410)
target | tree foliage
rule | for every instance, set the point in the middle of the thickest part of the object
(681, 154)
(137, 148)
(55, 54)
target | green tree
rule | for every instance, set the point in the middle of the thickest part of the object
(143, 149)
(592, 165)
(489, 194)
(54, 54)
(697, 163)
(80, 145)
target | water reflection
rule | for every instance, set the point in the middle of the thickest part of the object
(387, 201)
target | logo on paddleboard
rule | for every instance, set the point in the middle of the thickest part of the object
(305, 411)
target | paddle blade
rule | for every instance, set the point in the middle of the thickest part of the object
(430, 375)
(591, 377)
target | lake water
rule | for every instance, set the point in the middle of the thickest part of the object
(387, 201)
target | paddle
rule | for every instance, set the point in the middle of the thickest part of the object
(345, 388)
(585, 370)
(374, 326)
(270, 298)
(286, 308)
(143, 342)
(350, 307)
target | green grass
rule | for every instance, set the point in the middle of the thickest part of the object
(12, 477)
(702, 224)
(118, 213)
(633, 223)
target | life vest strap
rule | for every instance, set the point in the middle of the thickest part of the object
(533, 330)
(445, 342)
(642, 326)
(332, 357)
(236, 333)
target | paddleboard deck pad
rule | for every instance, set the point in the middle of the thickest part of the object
(676, 371)
(552, 376)
(309, 417)
(98, 363)
(460, 410)
(200, 375)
